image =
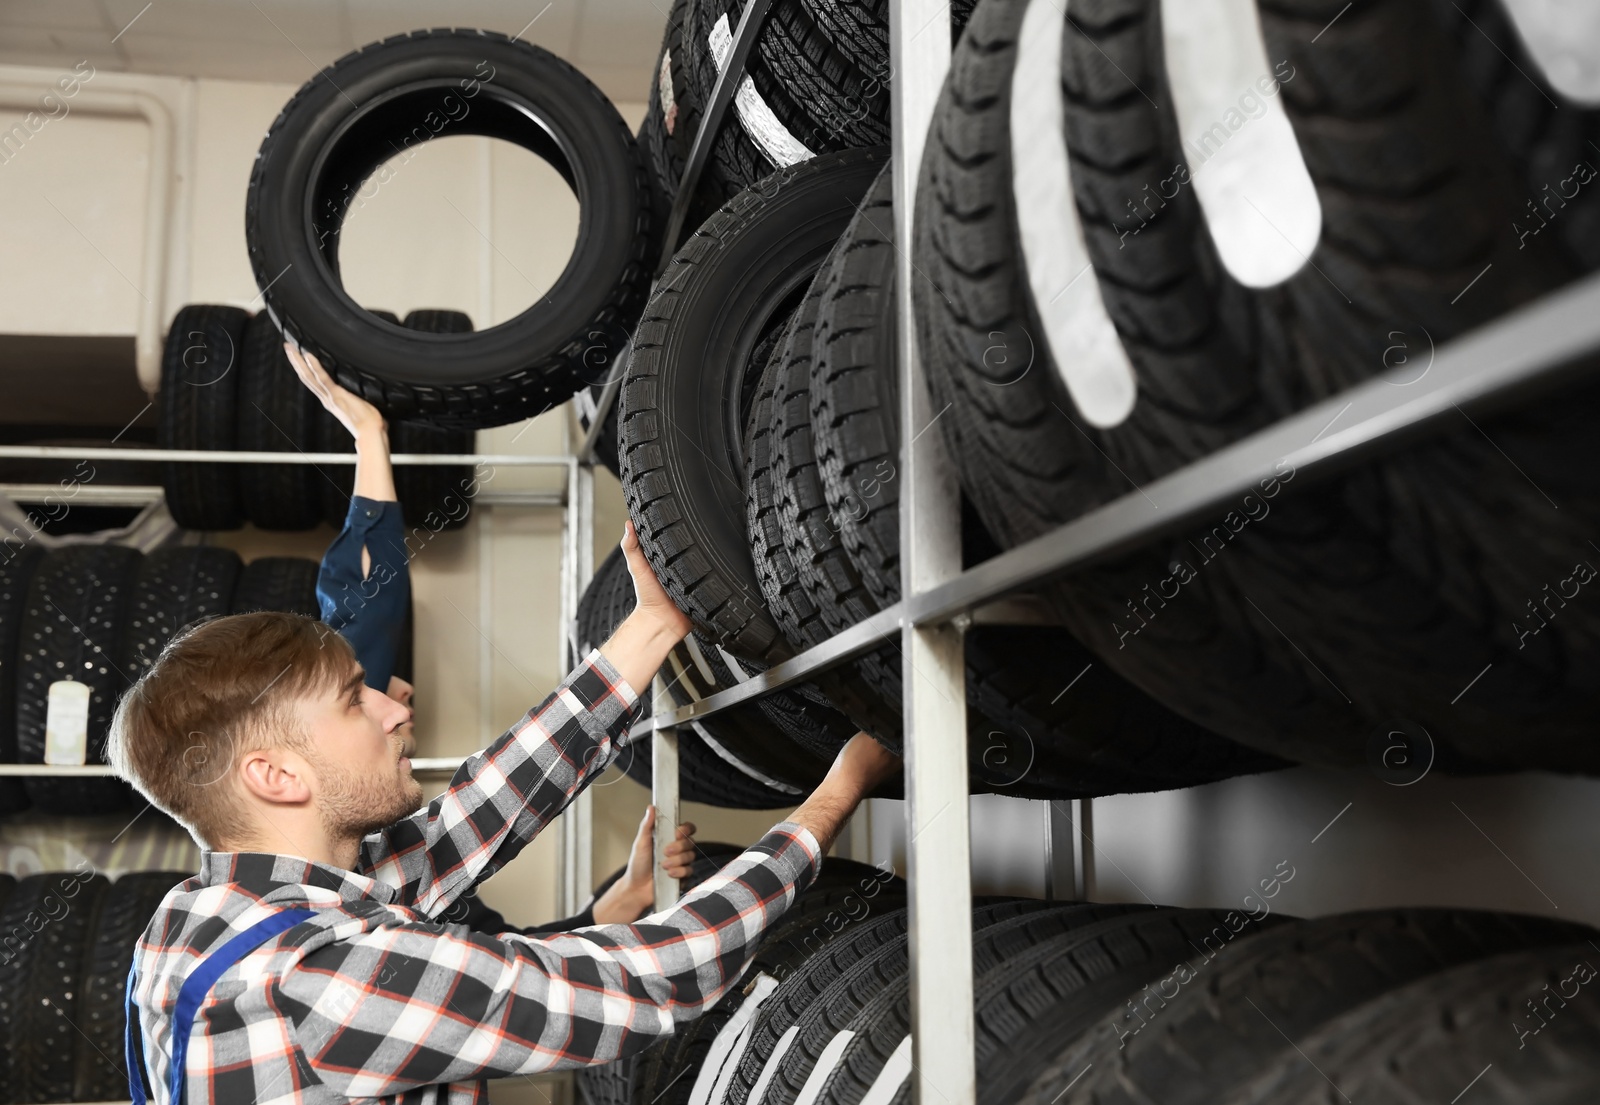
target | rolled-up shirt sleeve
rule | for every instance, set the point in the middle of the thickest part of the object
(368, 610)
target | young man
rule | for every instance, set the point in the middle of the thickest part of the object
(305, 961)
(364, 591)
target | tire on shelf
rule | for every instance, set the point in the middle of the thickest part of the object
(1036, 986)
(845, 897)
(686, 391)
(41, 979)
(780, 1069)
(174, 588)
(101, 1015)
(434, 497)
(340, 128)
(1268, 988)
(1349, 570)
(1548, 137)
(791, 581)
(1100, 735)
(711, 768)
(198, 409)
(18, 562)
(283, 583)
(277, 413)
(76, 609)
(1425, 1041)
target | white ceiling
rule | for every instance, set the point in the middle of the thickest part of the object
(614, 42)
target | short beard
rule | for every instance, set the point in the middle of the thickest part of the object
(353, 804)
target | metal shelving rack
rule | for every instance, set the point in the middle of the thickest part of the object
(1530, 350)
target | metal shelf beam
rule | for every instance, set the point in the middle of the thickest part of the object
(247, 456)
(91, 494)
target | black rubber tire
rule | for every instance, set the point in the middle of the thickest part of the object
(17, 565)
(283, 583)
(725, 778)
(76, 609)
(276, 414)
(331, 136)
(1544, 134)
(1036, 984)
(130, 902)
(1274, 987)
(837, 902)
(686, 392)
(175, 587)
(51, 918)
(882, 958)
(810, 586)
(434, 498)
(1351, 573)
(1426, 1041)
(198, 409)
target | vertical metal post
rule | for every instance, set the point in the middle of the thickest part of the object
(577, 569)
(664, 793)
(1061, 851)
(937, 808)
(1083, 841)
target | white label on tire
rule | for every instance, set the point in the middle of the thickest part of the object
(1564, 38)
(759, 1094)
(776, 142)
(1244, 159)
(727, 1050)
(669, 104)
(66, 723)
(812, 1090)
(891, 1077)
(1081, 340)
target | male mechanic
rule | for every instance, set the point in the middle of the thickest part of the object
(305, 961)
(364, 592)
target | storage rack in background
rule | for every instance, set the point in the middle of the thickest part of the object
(1532, 349)
(576, 566)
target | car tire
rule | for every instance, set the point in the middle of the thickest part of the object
(343, 124)
(277, 415)
(76, 609)
(201, 363)
(687, 388)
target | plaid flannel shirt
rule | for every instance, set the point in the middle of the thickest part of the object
(380, 998)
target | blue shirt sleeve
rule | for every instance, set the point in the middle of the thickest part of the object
(370, 611)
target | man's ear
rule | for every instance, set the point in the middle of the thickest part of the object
(275, 775)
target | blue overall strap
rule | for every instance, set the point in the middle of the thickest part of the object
(190, 995)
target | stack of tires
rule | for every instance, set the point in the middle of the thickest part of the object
(66, 944)
(1305, 624)
(1085, 1003)
(845, 898)
(227, 384)
(760, 436)
(100, 615)
(1417, 593)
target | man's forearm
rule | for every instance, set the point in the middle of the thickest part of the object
(638, 649)
(374, 473)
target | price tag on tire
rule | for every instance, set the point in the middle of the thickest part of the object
(66, 724)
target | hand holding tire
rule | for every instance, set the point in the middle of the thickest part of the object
(651, 599)
(353, 412)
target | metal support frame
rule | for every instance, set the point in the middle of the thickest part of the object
(938, 811)
(729, 75)
(664, 793)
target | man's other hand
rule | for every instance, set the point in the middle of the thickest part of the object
(633, 895)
